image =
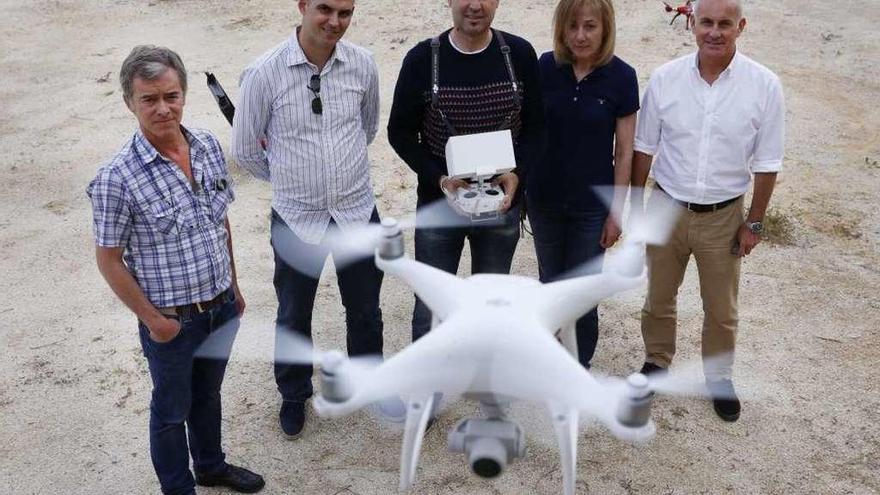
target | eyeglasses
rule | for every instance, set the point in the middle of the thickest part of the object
(315, 87)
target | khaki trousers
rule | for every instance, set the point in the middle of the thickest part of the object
(709, 237)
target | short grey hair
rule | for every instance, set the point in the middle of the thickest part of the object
(736, 3)
(149, 62)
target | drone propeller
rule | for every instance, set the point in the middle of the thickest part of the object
(684, 381)
(653, 227)
(290, 348)
(352, 243)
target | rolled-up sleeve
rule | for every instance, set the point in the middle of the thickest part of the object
(250, 124)
(648, 123)
(770, 141)
(110, 212)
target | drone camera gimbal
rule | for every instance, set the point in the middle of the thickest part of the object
(488, 444)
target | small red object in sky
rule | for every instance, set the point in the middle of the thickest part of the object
(687, 10)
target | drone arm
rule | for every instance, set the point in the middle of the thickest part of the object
(439, 290)
(417, 415)
(565, 422)
(428, 364)
(567, 300)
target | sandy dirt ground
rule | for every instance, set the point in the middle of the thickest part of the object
(74, 387)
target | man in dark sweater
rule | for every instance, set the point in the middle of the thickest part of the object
(486, 80)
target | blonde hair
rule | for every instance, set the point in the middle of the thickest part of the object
(562, 17)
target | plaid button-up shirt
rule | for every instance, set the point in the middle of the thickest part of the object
(174, 234)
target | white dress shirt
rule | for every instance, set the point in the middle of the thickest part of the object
(709, 139)
(317, 164)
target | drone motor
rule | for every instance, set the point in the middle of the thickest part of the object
(391, 244)
(335, 385)
(634, 410)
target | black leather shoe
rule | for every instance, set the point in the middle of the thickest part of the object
(724, 399)
(292, 418)
(237, 478)
(651, 368)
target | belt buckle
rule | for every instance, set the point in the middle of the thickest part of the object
(199, 307)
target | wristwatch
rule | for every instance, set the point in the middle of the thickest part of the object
(756, 227)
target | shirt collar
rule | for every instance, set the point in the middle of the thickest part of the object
(599, 71)
(148, 153)
(730, 69)
(296, 56)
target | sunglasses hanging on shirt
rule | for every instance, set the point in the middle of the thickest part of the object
(315, 88)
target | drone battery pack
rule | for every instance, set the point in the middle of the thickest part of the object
(480, 156)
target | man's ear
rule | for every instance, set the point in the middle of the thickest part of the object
(742, 24)
(302, 6)
(128, 103)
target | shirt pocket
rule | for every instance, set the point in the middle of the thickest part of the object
(165, 218)
(344, 105)
(220, 200)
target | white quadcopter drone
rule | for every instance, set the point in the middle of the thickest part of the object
(496, 339)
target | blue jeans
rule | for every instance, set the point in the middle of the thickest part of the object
(565, 238)
(186, 400)
(359, 286)
(492, 249)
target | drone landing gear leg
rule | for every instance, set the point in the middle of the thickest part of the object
(569, 340)
(566, 425)
(418, 412)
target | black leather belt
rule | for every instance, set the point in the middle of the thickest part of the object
(188, 311)
(700, 208)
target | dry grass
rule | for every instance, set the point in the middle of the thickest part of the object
(778, 228)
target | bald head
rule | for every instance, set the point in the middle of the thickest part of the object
(734, 3)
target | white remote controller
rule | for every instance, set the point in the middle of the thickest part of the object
(478, 201)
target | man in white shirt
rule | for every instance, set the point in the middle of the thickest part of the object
(308, 109)
(713, 120)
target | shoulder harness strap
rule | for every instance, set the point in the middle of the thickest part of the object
(505, 50)
(435, 85)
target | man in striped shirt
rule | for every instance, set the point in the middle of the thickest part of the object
(164, 245)
(308, 109)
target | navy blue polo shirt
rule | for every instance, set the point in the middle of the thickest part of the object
(580, 120)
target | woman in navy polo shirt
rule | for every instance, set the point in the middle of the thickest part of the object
(590, 100)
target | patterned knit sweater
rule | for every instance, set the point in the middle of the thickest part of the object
(476, 95)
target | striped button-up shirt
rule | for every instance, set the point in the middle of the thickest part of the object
(709, 139)
(174, 235)
(317, 164)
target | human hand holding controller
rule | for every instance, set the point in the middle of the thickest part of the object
(486, 160)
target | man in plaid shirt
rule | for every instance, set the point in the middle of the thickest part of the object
(164, 246)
